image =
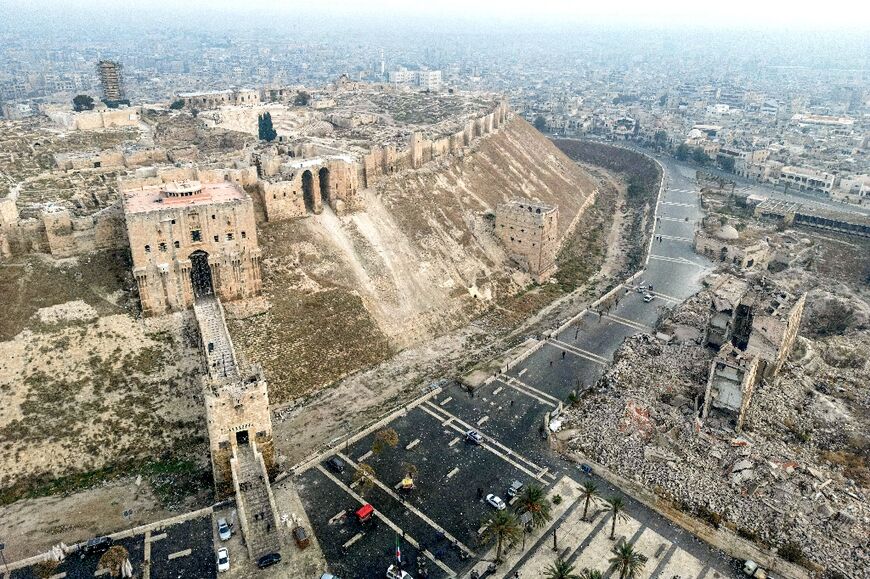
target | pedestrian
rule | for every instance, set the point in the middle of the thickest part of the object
(512, 402)
(551, 362)
(563, 354)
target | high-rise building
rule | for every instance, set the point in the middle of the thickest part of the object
(110, 80)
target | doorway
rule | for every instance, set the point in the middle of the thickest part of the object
(308, 191)
(200, 274)
(242, 437)
(324, 185)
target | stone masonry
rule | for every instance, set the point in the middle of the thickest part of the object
(529, 232)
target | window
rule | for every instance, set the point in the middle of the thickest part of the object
(213, 216)
(161, 246)
(243, 235)
(172, 222)
(196, 236)
(177, 245)
(229, 236)
(216, 238)
(147, 249)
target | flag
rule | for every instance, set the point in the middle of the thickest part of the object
(398, 550)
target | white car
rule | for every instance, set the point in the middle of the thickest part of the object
(495, 502)
(223, 560)
(224, 530)
(394, 572)
(647, 298)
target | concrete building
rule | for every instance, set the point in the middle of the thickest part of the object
(190, 240)
(731, 383)
(111, 80)
(805, 179)
(725, 244)
(529, 232)
(429, 80)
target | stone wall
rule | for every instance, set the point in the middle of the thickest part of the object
(68, 236)
(297, 188)
(387, 160)
(530, 233)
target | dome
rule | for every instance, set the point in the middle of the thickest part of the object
(727, 232)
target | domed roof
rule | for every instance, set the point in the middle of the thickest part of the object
(727, 232)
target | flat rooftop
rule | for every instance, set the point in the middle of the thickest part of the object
(165, 196)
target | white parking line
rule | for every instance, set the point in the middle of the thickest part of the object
(337, 516)
(673, 238)
(579, 352)
(454, 441)
(482, 420)
(521, 384)
(179, 554)
(678, 204)
(680, 260)
(505, 453)
(497, 390)
(446, 400)
(412, 444)
(389, 523)
(452, 472)
(526, 392)
(523, 371)
(365, 456)
(352, 540)
(631, 323)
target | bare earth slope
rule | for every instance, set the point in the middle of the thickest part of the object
(420, 260)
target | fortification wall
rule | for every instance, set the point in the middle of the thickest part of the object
(384, 161)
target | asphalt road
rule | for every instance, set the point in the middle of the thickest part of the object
(452, 473)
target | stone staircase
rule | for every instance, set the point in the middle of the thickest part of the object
(216, 340)
(255, 502)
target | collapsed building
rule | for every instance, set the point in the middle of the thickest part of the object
(753, 327)
(722, 242)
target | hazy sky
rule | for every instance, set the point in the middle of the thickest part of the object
(754, 14)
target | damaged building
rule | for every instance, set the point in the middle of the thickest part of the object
(754, 328)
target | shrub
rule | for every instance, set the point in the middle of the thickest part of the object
(557, 499)
(792, 552)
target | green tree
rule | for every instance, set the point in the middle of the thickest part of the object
(591, 574)
(533, 501)
(561, 569)
(266, 131)
(616, 508)
(589, 493)
(302, 99)
(177, 105)
(364, 477)
(627, 561)
(683, 152)
(386, 437)
(540, 123)
(727, 163)
(661, 139)
(503, 527)
(82, 102)
(699, 156)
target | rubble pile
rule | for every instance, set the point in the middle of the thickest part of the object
(797, 474)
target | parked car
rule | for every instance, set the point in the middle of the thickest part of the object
(394, 572)
(268, 560)
(97, 545)
(224, 530)
(640, 288)
(328, 576)
(515, 489)
(495, 502)
(335, 464)
(752, 569)
(300, 535)
(223, 560)
(647, 298)
(474, 437)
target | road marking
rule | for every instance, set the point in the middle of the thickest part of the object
(365, 456)
(678, 204)
(447, 422)
(352, 540)
(631, 323)
(674, 238)
(146, 558)
(523, 391)
(579, 352)
(412, 444)
(454, 441)
(523, 371)
(482, 420)
(680, 260)
(546, 472)
(666, 218)
(386, 520)
(446, 400)
(503, 452)
(667, 298)
(337, 516)
(60, 575)
(101, 572)
(179, 554)
(497, 390)
(158, 537)
(541, 393)
(452, 472)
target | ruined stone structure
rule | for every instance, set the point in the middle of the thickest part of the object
(190, 239)
(298, 187)
(798, 214)
(725, 244)
(753, 329)
(218, 98)
(529, 232)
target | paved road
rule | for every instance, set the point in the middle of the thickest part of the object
(509, 412)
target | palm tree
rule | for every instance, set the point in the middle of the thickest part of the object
(502, 526)
(616, 508)
(589, 493)
(533, 501)
(627, 561)
(561, 569)
(591, 574)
